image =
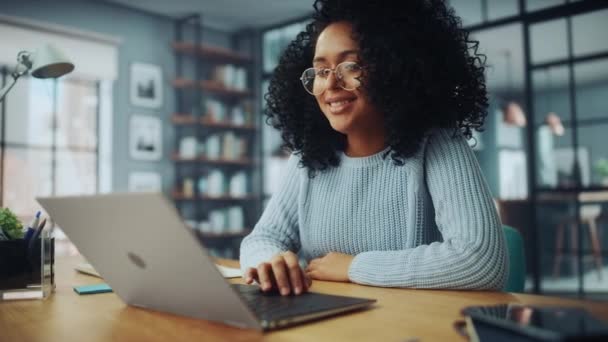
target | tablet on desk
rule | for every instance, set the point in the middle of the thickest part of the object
(514, 322)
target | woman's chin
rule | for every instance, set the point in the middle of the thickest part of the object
(340, 125)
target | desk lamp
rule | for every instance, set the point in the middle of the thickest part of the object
(46, 62)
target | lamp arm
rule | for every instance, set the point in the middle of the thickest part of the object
(23, 67)
(8, 87)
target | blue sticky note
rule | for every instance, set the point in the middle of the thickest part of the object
(92, 289)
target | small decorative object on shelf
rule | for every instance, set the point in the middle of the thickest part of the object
(212, 146)
(188, 188)
(188, 147)
(215, 151)
(215, 183)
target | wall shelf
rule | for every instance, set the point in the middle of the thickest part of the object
(211, 53)
(187, 119)
(213, 91)
(213, 87)
(203, 160)
(178, 196)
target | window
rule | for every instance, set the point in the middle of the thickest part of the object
(276, 40)
(49, 142)
(566, 60)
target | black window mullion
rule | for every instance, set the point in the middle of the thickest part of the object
(577, 175)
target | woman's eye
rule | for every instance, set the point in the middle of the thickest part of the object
(323, 73)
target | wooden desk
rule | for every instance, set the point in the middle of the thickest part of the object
(399, 314)
(587, 196)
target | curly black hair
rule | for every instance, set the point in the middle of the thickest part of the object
(424, 72)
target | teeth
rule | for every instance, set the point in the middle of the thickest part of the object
(339, 103)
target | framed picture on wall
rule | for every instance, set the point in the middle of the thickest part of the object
(145, 141)
(146, 85)
(145, 182)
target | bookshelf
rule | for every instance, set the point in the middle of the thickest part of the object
(214, 156)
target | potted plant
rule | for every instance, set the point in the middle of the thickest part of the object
(601, 167)
(10, 225)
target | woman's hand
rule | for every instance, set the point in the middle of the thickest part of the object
(333, 267)
(281, 273)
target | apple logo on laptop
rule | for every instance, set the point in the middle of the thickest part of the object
(137, 260)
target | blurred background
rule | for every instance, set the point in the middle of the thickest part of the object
(168, 96)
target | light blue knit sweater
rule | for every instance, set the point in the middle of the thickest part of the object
(430, 223)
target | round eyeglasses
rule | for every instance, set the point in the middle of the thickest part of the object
(348, 77)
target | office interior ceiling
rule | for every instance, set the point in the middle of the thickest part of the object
(232, 15)
(227, 15)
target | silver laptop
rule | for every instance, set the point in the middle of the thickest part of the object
(143, 250)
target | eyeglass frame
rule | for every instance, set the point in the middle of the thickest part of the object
(333, 70)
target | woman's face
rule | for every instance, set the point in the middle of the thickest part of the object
(348, 112)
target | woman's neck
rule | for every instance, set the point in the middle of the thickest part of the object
(362, 145)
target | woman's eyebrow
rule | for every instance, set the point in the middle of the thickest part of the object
(341, 55)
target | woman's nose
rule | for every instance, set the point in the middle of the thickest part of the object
(332, 80)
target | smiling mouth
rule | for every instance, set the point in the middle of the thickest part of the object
(336, 107)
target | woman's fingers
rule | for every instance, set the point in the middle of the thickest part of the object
(282, 272)
(265, 276)
(251, 275)
(307, 280)
(279, 269)
(295, 272)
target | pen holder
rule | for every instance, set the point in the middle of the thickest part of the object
(27, 269)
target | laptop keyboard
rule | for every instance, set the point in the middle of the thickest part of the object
(271, 306)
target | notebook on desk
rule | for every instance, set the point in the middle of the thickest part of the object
(142, 249)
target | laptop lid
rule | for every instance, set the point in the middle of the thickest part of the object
(140, 246)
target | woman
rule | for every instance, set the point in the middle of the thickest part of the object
(382, 188)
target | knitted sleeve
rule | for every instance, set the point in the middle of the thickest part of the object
(277, 229)
(472, 254)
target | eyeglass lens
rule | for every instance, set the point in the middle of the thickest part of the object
(315, 80)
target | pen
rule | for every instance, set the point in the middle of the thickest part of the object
(36, 234)
(32, 227)
(39, 229)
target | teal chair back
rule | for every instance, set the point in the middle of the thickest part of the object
(517, 261)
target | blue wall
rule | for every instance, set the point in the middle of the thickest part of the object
(145, 38)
